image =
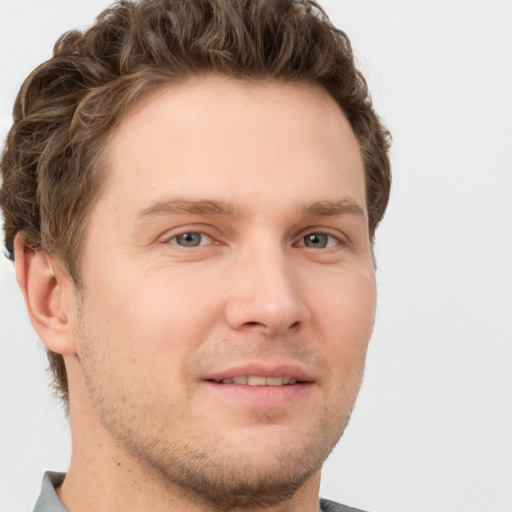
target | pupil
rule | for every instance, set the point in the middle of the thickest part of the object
(316, 240)
(189, 239)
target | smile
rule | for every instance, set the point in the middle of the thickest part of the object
(261, 387)
(254, 380)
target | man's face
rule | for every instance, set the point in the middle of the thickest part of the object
(228, 250)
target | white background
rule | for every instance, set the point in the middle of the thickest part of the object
(432, 431)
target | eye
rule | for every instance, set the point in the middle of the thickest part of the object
(320, 240)
(192, 239)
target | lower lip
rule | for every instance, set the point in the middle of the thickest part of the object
(262, 396)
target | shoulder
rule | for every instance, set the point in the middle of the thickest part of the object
(331, 506)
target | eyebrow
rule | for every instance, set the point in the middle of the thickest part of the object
(333, 208)
(176, 205)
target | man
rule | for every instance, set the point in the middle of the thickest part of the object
(191, 191)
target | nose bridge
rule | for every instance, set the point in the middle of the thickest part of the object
(266, 294)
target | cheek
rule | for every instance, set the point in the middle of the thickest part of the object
(138, 336)
(151, 312)
(347, 306)
(345, 317)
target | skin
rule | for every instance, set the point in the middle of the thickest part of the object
(261, 176)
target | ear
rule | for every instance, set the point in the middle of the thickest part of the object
(49, 296)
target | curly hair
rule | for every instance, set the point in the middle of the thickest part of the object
(68, 106)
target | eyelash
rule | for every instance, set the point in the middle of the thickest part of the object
(331, 236)
(175, 237)
(300, 243)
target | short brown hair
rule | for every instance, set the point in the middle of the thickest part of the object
(68, 106)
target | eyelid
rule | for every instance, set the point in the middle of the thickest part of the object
(203, 235)
(336, 235)
(171, 235)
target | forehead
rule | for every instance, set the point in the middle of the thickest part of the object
(232, 139)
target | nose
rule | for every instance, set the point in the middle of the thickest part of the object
(265, 295)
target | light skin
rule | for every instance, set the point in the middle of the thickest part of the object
(230, 242)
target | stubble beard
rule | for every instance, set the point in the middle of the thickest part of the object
(215, 473)
(221, 476)
(223, 479)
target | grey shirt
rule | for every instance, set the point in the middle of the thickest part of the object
(49, 502)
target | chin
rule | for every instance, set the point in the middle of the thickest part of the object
(261, 467)
(256, 479)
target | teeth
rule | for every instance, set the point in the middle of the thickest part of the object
(274, 381)
(254, 380)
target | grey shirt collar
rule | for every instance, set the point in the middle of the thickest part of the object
(49, 501)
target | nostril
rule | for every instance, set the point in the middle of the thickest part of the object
(252, 324)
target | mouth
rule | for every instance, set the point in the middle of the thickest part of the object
(263, 387)
(261, 374)
(257, 380)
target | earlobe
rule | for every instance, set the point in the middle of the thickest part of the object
(47, 294)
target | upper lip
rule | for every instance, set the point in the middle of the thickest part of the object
(262, 370)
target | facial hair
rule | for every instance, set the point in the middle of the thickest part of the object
(214, 472)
